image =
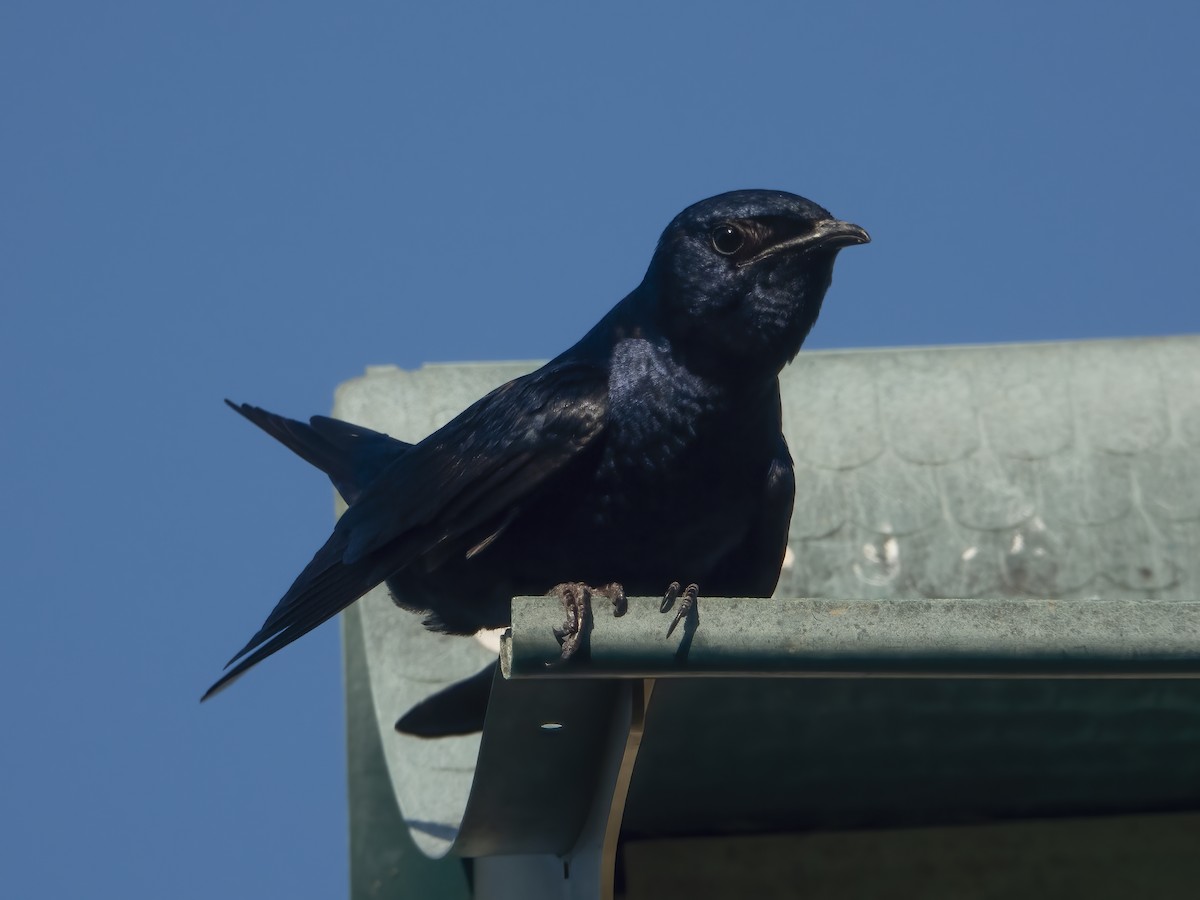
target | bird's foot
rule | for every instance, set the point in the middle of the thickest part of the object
(576, 598)
(689, 600)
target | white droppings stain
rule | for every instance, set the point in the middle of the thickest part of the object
(1018, 543)
(891, 551)
(883, 562)
(886, 553)
(969, 554)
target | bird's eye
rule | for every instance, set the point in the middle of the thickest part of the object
(727, 239)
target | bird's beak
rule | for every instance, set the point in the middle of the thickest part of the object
(836, 233)
(828, 234)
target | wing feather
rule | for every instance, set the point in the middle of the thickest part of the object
(467, 476)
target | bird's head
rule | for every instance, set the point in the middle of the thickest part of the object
(740, 278)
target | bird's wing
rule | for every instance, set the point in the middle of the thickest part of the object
(462, 482)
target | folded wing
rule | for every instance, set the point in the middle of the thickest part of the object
(464, 481)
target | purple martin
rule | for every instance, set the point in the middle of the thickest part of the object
(648, 454)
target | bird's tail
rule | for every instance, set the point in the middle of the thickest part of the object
(352, 456)
(325, 587)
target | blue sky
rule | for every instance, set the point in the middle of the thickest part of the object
(259, 200)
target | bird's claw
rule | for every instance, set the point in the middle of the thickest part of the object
(576, 599)
(688, 603)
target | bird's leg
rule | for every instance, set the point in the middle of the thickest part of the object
(689, 603)
(576, 598)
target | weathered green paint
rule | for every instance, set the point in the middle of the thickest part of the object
(1064, 472)
(882, 638)
(1067, 470)
(384, 861)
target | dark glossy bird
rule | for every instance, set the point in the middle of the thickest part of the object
(648, 453)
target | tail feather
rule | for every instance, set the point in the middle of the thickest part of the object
(320, 592)
(352, 456)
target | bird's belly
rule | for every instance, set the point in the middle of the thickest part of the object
(643, 532)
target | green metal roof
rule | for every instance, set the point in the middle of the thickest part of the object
(1055, 487)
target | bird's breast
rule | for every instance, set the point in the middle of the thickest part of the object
(670, 489)
(683, 462)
